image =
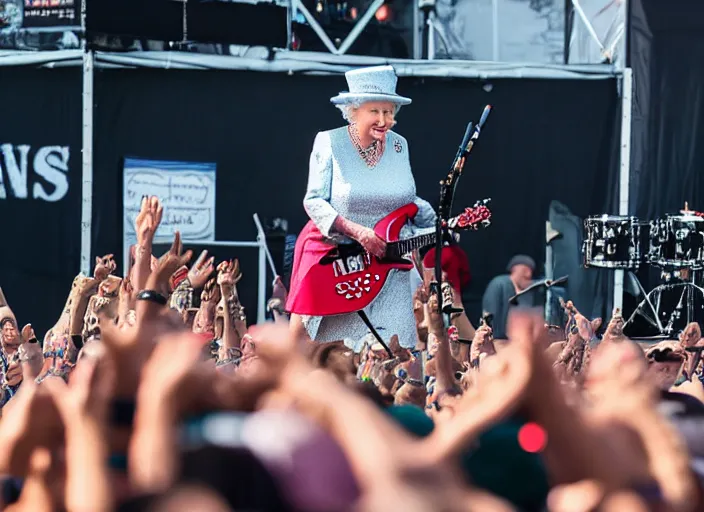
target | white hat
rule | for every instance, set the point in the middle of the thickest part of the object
(377, 83)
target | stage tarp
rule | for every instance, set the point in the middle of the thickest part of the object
(40, 191)
(258, 59)
(666, 53)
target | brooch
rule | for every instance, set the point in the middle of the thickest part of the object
(397, 146)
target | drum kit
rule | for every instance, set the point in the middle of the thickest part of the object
(675, 245)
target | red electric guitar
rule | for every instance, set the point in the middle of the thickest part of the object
(348, 278)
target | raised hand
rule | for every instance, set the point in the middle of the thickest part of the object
(29, 420)
(167, 265)
(28, 333)
(201, 270)
(228, 276)
(279, 290)
(148, 220)
(109, 287)
(175, 374)
(126, 290)
(104, 267)
(88, 395)
(211, 292)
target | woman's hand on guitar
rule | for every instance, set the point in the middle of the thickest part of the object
(372, 243)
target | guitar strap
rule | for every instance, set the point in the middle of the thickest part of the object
(374, 332)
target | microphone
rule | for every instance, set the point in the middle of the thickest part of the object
(485, 114)
(478, 128)
(465, 141)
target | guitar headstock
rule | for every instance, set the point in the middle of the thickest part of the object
(475, 217)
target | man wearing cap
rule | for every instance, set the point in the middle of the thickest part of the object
(497, 294)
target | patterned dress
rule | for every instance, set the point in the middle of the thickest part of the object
(341, 183)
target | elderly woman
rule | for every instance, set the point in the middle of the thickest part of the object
(359, 174)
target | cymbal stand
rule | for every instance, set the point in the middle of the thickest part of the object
(652, 299)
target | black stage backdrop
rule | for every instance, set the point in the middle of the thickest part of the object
(666, 51)
(40, 196)
(545, 140)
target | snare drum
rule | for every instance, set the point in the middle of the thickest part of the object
(612, 241)
(677, 241)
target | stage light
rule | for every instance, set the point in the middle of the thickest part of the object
(354, 13)
(319, 7)
(383, 14)
(295, 42)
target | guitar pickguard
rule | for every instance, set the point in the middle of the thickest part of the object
(354, 266)
(356, 288)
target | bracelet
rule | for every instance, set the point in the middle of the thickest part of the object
(152, 296)
(178, 277)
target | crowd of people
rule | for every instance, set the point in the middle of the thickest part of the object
(137, 400)
(151, 392)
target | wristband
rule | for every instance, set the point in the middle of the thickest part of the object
(152, 296)
(178, 277)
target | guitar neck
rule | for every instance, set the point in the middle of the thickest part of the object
(403, 247)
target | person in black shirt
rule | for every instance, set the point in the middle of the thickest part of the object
(497, 294)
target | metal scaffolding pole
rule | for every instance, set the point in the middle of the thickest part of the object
(88, 60)
(625, 170)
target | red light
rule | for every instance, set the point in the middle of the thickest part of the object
(295, 42)
(353, 13)
(384, 13)
(532, 438)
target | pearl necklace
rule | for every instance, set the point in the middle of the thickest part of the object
(371, 154)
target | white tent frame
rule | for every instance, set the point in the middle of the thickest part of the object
(605, 52)
(263, 255)
(359, 26)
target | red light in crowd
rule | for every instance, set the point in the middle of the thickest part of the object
(383, 14)
(532, 438)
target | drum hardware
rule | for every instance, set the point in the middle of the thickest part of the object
(683, 313)
(612, 241)
(675, 244)
(677, 241)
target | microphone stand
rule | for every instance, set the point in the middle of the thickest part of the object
(447, 195)
(547, 283)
